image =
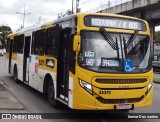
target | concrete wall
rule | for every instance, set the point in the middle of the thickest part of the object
(134, 4)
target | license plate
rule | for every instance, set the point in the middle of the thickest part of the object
(124, 106)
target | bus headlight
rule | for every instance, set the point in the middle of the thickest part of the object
(149, 87)
(86, 86)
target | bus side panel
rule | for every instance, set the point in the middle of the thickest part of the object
(20, 66)
(40, 79)
(38, 72)
(12, 66)
(31, 73)
(45, 67)
(33, 69)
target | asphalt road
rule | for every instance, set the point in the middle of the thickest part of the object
(35, 102)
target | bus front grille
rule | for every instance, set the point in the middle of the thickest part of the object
(121, 81)
(119, 101)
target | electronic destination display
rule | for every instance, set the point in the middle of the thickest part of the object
(113, 22)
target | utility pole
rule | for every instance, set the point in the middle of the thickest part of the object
(77, 6)
(72, 6)
(24, 14)
(39, 21)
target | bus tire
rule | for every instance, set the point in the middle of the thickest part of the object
(50, 94)
(15, 75)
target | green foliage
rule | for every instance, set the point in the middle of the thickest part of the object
(157, 37)
(4, 31)
(69, 12)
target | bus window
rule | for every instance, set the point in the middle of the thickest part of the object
(8, 45)
(51, 43)
(33, 40)
(21, 43)
(15, 44)
(40, 37)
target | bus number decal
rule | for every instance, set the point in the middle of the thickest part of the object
(104, 92)
(41, 62)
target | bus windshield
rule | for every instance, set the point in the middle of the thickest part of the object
(114, 52)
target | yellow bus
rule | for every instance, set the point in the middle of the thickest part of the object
(86, 61)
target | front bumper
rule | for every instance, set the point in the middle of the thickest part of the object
(86, 101)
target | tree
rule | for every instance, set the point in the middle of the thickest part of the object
(69, 12)
(157, 42)
(157, 37)
(4, 31)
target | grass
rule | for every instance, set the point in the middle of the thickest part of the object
(156, 80)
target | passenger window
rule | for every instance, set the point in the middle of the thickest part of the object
(8, 45)
(39, 42)
(33, 40)
(21, 43)
(51, 43)
(15, 44)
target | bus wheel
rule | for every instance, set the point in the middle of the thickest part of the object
(51, 97)
(15, 75)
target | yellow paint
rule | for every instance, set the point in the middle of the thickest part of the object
(14, 56)
(11, 36)
(44, 67)
(7, 55)
(117, 94)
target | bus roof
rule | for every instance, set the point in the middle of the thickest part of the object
(51, 22)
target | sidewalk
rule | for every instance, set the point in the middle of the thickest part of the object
(10, 104)
(7, 100)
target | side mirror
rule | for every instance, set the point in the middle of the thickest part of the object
(77, 43)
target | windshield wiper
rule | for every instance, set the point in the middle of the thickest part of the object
(131, 39)
(109, 39)
(125, 47)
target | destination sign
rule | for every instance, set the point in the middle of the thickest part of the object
(113, 22)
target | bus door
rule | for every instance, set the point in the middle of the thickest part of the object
(63, 64)
(10, 54)
(26, 59)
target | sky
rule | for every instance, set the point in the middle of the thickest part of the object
(41, 10)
